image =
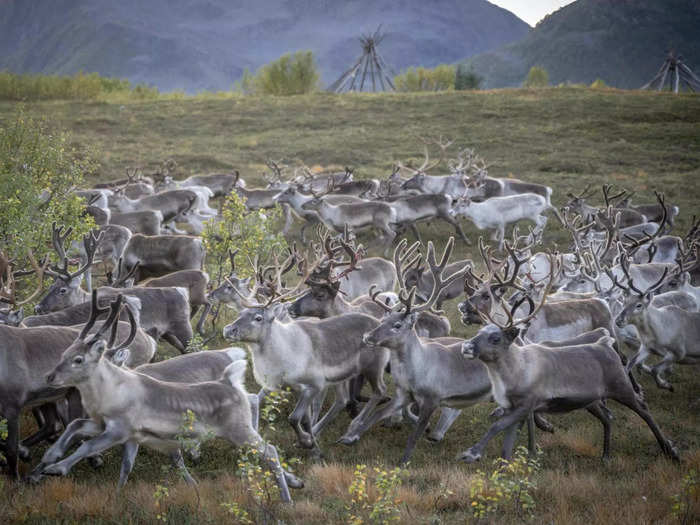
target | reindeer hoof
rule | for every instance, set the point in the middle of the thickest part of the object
(469, 456)
(292, 481)
(497, 412)
(55, 470)
(348, 440)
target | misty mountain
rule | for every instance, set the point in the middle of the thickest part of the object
(623, 42)
(206, 44)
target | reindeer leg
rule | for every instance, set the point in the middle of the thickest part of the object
(307, 394)
(427, 407)
(203, 318)
(447, 417)
(658, 370)
(179, 464)
(596, 410)
(342, 396)
(12, 442)
(511, 434)
(107, 439)
(129, 451)
(509, 419)
(360, 425)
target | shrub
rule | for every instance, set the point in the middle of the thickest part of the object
(467, 78)
(440, 78)
(508, 488)
(38, 172)
(81, 86)
(686, 503)
(537, 77)
(599, 83)
(288, 75)
(255, 233)
(383, 508)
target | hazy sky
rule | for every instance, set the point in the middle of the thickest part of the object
(532, 11)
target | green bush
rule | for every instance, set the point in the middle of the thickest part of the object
(81, 86)
(440, 78)
(599, 83)
(288, 75)
(467, 78)
(537, 77)
(38, 172)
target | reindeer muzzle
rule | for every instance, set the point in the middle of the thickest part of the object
(469, 350)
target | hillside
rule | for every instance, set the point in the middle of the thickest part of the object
(624, 42)
(206, 44)
(566, 138)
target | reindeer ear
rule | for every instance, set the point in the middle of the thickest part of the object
(99, 346)
(120, 357)
(685, 278)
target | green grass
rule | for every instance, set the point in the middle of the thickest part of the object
(566, 138)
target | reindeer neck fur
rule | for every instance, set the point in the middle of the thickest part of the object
(108, 390)
(278, 357)
(509, 369)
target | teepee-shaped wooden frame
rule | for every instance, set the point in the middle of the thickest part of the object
(370, 66)
(676, 71)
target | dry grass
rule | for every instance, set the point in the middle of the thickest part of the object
(562, 137)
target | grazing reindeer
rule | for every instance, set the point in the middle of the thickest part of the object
(158, 255)
(220, 406)
(426, 371)
(534, 378)
(256, 199)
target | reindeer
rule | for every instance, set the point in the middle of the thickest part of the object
(158, 255)
(194, 281)
(145, 222)
(497, 212)
(256, 199)
(66, 284)
(171, 203)
(28, 354)
(431, 373)
(323, 300)
(415, 208)
(534, 378)
(112, 420)
(668, 331)
(356, 216)
(164, 313)
(309, 356)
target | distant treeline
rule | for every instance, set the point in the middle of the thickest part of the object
(81, 86)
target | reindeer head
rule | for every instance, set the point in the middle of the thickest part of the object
(10, 317)
(81, 358)
(495, 339)
(65, 290)
(637, 300)
(399, 322)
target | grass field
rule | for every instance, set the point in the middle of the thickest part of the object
(566, 138)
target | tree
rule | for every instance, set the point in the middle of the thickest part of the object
(288, 75)
(440, 78)
(467, 78)
(537, 77)
(38, 173)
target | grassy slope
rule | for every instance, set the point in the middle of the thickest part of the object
(563, 137)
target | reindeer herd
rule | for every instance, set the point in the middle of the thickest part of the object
(561, 330)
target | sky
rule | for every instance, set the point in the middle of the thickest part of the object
(532, 11)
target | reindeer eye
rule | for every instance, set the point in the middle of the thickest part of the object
(397, 326)
(78, 360)
(258, 318)
(484, 296)
(638, 306)
(495, 339)
(62, 291)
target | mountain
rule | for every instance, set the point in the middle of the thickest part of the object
(205, 44)
(623, 42)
